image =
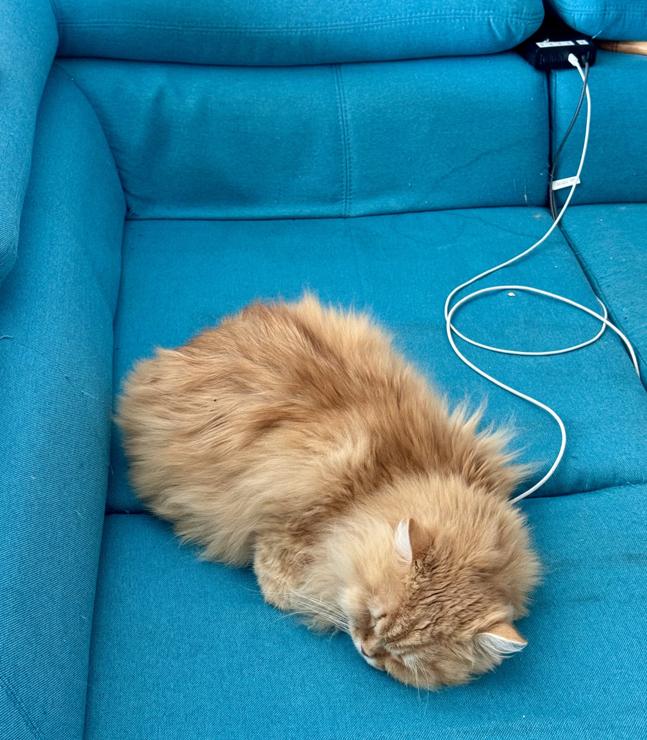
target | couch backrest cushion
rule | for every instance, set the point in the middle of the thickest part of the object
(606, 19)
(286, 32)
(356, 139)
(615, 170)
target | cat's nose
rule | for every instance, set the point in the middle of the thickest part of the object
(371, 658)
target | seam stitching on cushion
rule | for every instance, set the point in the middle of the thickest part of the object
(20, 707)
(342, 115)
(349, 142)
(340, 26)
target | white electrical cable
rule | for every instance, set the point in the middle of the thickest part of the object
(450, 309)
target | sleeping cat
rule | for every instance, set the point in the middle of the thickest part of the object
(294, 437)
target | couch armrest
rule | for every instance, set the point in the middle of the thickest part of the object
(28, 40)
(56, 342)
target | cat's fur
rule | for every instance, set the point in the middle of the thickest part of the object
(295, 438)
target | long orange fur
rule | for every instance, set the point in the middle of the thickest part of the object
(295, 438)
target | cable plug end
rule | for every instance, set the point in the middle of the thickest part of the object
(573, 61)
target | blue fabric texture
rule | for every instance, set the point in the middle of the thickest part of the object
(27, 46)
(401, 268)
(322, 141)
(56, 309)
(614, 171)
(610, 243)
(606, 19)
(184, 648)
(181, 159)
(285, 32)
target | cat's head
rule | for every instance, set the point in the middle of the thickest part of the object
(431, 597)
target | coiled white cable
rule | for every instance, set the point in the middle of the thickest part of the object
(451, 308)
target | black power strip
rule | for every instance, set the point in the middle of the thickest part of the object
(550, 49)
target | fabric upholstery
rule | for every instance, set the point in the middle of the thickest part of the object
(236, 136)
(184, 648)
(27, 46)
(606, 19)
(614, 171)
(610, 243)
(56, 310)
(219, 142)
(181, 276)
(282, 32)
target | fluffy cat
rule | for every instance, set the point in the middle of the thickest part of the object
(294, 437)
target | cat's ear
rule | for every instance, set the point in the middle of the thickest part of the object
(410, 539)
(501, 641)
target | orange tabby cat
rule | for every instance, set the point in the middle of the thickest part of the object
(295, 438)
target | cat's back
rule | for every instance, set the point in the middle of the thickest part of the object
(297, 354)
(292, 367)
(280, 406)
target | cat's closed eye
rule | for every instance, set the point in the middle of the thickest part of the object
(377, 620)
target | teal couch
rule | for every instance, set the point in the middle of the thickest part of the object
(162, 164)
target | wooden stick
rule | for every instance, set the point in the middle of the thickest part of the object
(625, 47)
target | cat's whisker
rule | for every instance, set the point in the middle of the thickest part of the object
(333, 621)
(315, 600)
(307, 606)
(318, 605)
(288, 615)
(323, 609)
(296, 614)
(414, 668)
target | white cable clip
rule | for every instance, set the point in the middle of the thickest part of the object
(566, 182)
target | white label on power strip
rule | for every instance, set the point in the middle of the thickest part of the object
(566, 182)
(582, 42)
(548, 44)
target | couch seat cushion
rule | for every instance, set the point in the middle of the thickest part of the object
(188, 649)
(610, 243)
(181, 276)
